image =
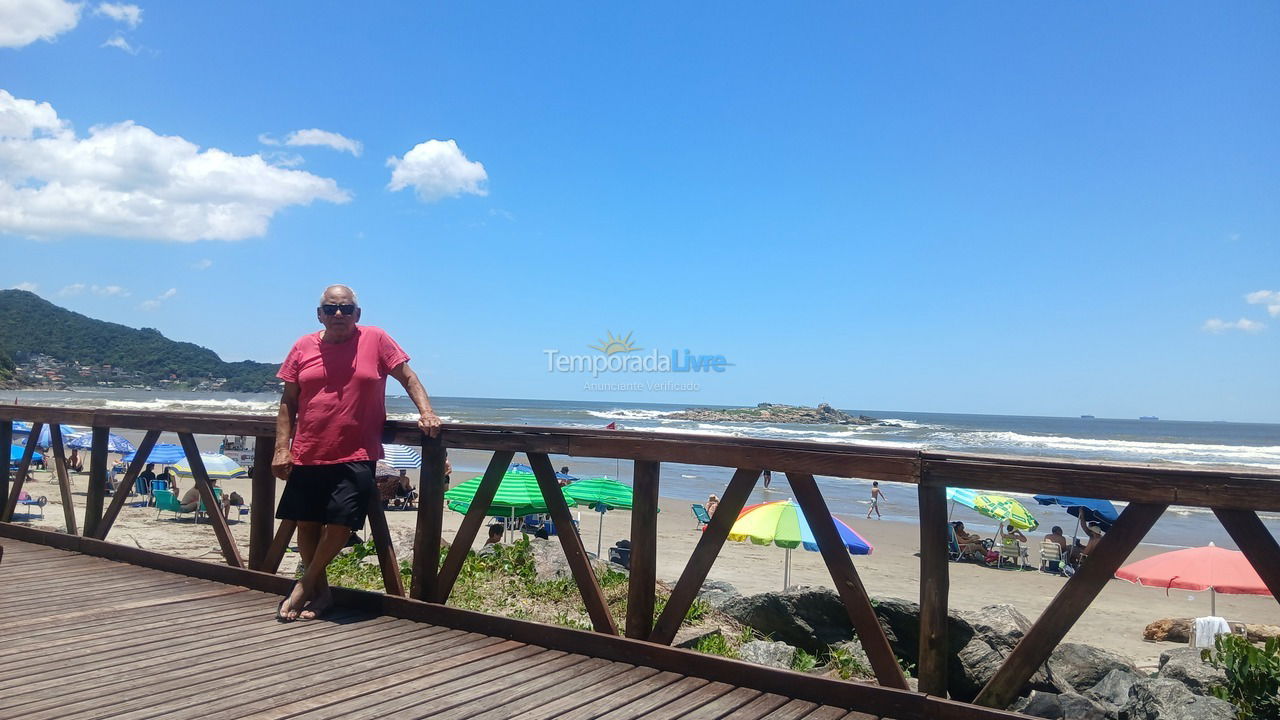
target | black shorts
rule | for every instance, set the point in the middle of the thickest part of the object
(336, 494)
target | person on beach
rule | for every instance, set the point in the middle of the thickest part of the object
(876, 496)
(970, 543)
(333, 410)
(1094, 531)
(147, 477)
(768, 479)
(1057, 537)
(713, 502)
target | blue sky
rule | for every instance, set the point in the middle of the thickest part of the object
(1006, 209)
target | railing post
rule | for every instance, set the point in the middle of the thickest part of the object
(644, 549)
(24, 468)
(935, 584)
(64, 477)
(126, 484)
(6, 441)
(262, 501)
(426, 539)
(97, 481)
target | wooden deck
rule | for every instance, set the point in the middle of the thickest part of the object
(85, 637)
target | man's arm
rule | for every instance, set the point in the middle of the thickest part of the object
(428, 421)
(282, 461)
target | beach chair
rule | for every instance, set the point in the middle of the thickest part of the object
(1050, 557)
(953, 545)
(29, 502)
(701, 515)
(167, 501)
(217, 499)
(1011, 549)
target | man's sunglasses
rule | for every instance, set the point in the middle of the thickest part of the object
(333, 309)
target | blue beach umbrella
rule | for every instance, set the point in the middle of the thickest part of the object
(1086, 509)
(21, 428)
(401, 456)
(68, 434)
(162, 454)
(115, 443)
(15, 454)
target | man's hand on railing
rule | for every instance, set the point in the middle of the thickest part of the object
(282, 463)
(429, 424)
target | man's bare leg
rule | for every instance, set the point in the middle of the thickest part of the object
(309, 534)
(311, 595)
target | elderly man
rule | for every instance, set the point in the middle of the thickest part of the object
(333, 411)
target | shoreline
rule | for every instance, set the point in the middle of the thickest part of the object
(1115, 621)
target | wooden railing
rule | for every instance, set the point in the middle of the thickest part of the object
(1235, 497)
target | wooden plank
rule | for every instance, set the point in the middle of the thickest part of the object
(1257, 544)
(97, 480)
(118, 500)
(644, 704)
(571, 542)
(1072, 600)
(760, 708)
(427, 535)
(477, 700)
(935, 585)
(230, 550)
(589, 683)
(857, 603)
(722, 705)
(696, 702)
(642, 583)
(1134, 484)
(704, 555)
(6, 442)
(24, 468)
(794, 710)
(471, 523)
(387, 562)
(623, 695)
(262, 501)
(826, 712)
(64, 478)
(588, 696)
(279, 546)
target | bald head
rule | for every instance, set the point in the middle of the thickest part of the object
(324, 296)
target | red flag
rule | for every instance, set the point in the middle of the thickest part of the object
(611, 426)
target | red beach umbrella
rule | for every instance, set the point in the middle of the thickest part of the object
(1203, 568)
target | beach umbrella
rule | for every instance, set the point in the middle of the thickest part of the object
(216, 465)
(783, 524)
(1084, 509)
(997, 507)
(15, 454)
(1211, 568)
(115, 443)
(601, 494)
(518, 494)
(522, 468)
(401, 456)
(161, 454)
(21, 428)
(68, 434)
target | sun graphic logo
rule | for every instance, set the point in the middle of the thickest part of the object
(612, 345)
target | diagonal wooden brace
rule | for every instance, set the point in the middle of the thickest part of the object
(471, 524)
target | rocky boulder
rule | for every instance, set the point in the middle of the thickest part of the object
(1112, 692)
(994, 630)
(549, 561)
(1083, 666)
(1185, 666)
(718, 592)
(1065, 706)
(768, 652)
(810, 619)
(1164, 699)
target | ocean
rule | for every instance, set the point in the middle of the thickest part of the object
(1245, 446)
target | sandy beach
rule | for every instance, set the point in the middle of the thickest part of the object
(1115, 621)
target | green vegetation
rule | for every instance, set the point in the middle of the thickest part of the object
(847, 665)
(715, 644)
(30, 325)
(1253, 675)
(802, 661)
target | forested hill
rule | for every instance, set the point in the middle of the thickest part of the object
(31, 325)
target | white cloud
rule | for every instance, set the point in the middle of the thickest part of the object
(28, 286)
(155, 302)
(99, 290)
(124, 180)
(23, 22)
(266, 139)
(283, 159)
(324, 138)
(130, 15)
(204, 264)
(437, 169)
(118, 41)
(1270, 298)
(1217, 325)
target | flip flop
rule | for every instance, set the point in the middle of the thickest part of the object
(315, 614)
(280, 616)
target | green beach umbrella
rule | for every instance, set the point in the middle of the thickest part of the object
(601, 494)
(995, 506)
(518, 494)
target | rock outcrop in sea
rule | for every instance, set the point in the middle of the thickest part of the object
(823, 414)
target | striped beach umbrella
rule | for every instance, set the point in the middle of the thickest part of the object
(997, 507)
(217, 465)
(68, 434)
(401, 456)
(21, 428)
(161, 454)
(784, 524)
(115, 443)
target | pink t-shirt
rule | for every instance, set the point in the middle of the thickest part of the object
(341, 408)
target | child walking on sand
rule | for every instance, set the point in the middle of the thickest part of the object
(876, 496)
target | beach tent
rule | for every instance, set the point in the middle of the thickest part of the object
(161, 454)
(216, 465)
(1211, 568)
(115, 443)
(401, 456)
(15, 454)
(600, 494)
(783, 524)
(997, 507)
(1086, 510)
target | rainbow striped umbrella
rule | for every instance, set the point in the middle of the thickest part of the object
(997, 507)
(783, 524)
